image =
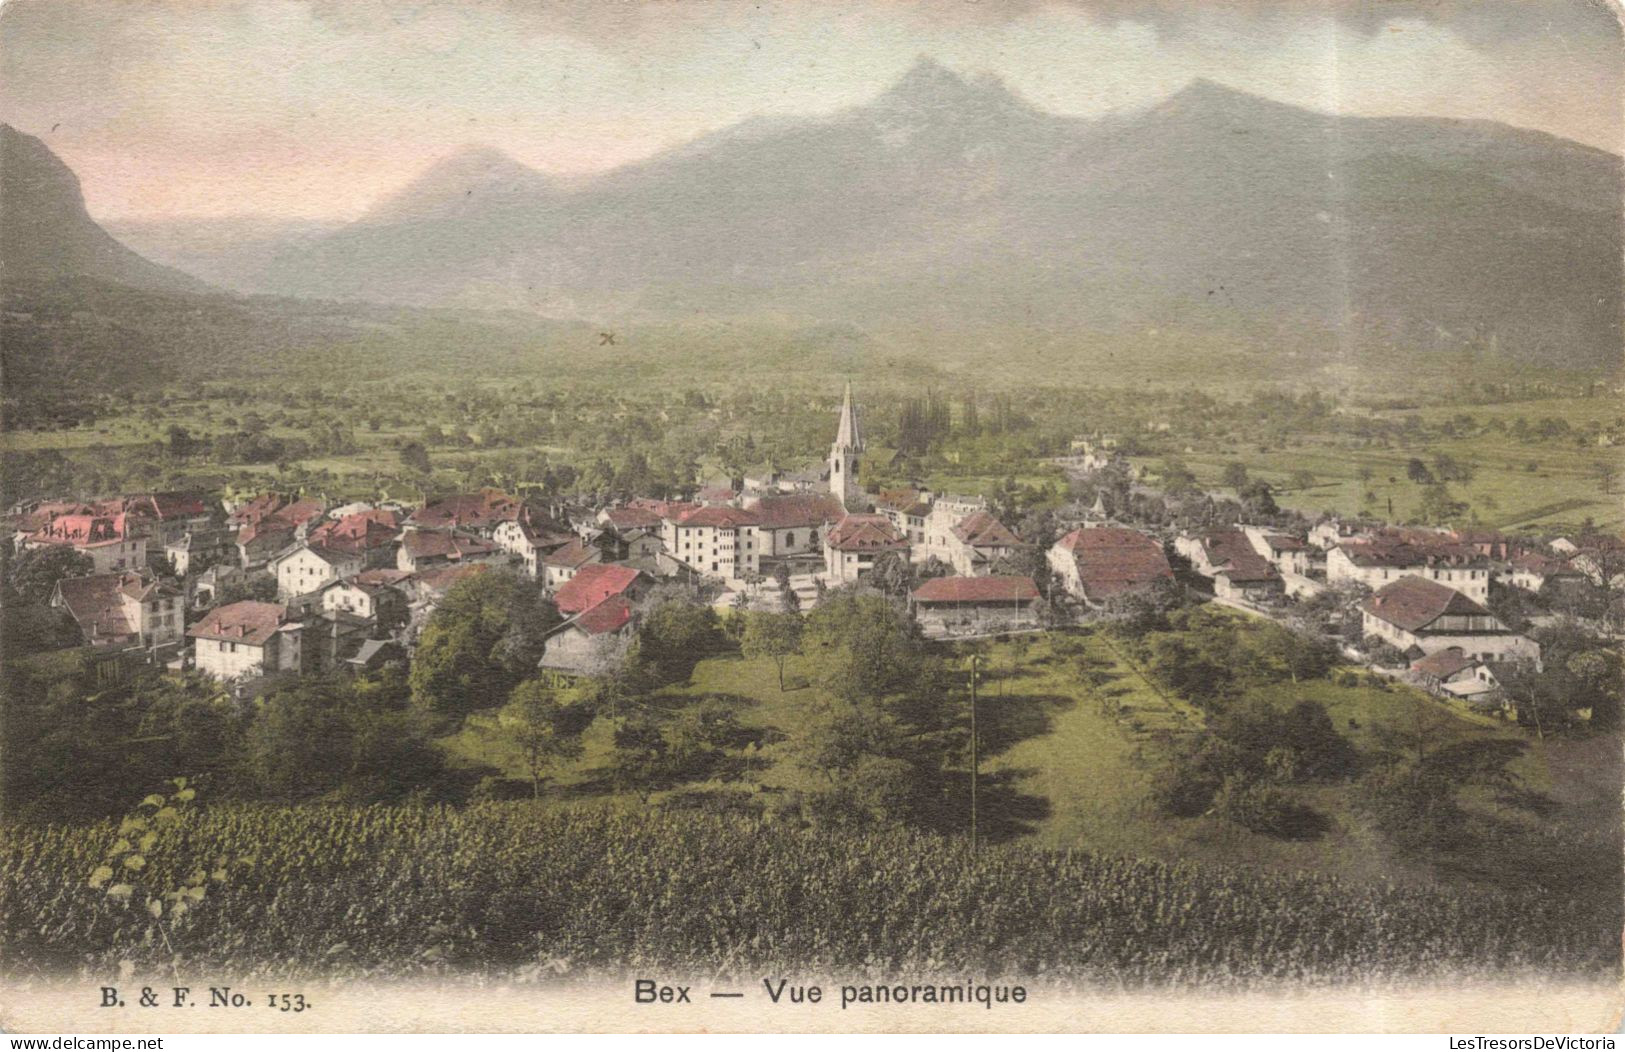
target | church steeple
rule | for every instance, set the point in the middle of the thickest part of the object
(847, 435)
(843, 456)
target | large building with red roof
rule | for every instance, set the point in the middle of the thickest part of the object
(107, 540)
(1387, 557)
(1100, 563)
(714, 541)
(1421, 617)
(974, 605)
(793, 523)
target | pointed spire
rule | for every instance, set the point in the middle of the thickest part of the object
(847, 435)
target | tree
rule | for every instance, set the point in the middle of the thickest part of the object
(34, 574)
(639, 754)
(775, 636)
(1300, 655)
(545, 731)
(180, 441)
(674, 637)
(415, 458)
(1235, 475)
(1302, 480)
(892, 573)
(485, 636)
(1258, 498)
(1417, 471)
(1176, 477)
(1439, 506)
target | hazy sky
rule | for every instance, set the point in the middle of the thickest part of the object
(318, 107)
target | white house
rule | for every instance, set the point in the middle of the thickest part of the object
(589, 641)
(1421, 617)
(977, 541)
(1288, 554)
(373, 595)
(247, 639)
(563, 563)
(1375, 564)
(852, 545)
(529, 541)
(309, 567)
(947, 511)
(714, 541)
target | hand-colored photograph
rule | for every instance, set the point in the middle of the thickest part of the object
(708, 516)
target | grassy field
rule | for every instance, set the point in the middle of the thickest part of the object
(1063, 768)
(1566, 487)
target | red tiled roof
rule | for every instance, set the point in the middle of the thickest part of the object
(865, 533)
(606, 616)
(29, 521)
(976, 590)
(797, 510)
(592, 585)
(1444, 663)
(664, 508)
(982, 529)
(96, 602)
(81, 531)
(633, 518)
(1112, 560)
(257, 508)
(576, 553)
(166, 506)
(362, 531)
(717, 493)
(423, 544)
(302, 511)
(1400, 554)
(897, 498)
(1413, 603)
(1232, 554)
(381, 576)
(721, 518)
(247, 622)
(271, 532)
(440, 579)
(478, 510)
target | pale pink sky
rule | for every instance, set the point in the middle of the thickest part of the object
(319, 107)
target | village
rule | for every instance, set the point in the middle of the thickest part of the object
(254, 591)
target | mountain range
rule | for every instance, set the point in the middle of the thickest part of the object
(45, 232)
(950, 203)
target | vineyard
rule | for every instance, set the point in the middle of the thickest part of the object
(506, 889)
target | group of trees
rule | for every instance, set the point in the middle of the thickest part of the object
(1212, 657)
(1244, 766)
(85, 736)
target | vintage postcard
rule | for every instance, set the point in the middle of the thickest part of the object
(806, 516)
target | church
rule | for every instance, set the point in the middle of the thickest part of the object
(853, 544)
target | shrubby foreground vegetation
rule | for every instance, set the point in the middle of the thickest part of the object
(512, 889)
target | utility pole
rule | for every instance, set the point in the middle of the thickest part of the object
(974, 774)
